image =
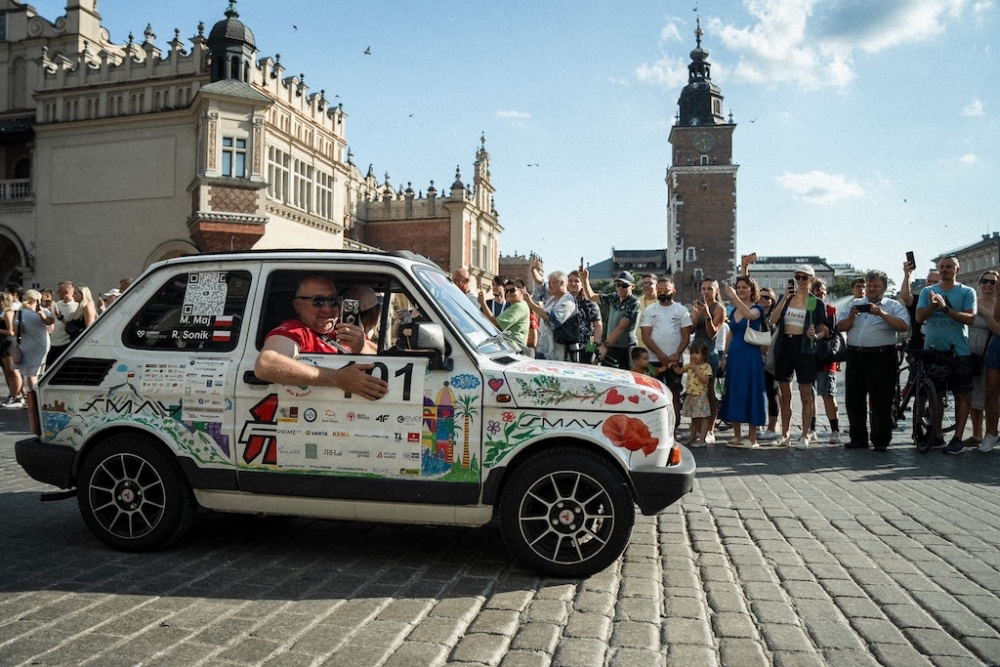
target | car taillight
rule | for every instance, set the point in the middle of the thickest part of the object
(675, 456)
(36, 426)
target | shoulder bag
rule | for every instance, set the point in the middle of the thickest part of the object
(16, 355)
(760, 338)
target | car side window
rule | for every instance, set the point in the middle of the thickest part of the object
(192, 311)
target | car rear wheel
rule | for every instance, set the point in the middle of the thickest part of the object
(566, 512)
(133, 495)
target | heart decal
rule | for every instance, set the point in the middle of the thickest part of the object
(634, 399)
(495, 384)
(613, 397)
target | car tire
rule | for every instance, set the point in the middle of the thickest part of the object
(133, 495)
(566, 511)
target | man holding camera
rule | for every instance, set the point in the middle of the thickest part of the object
(871, 326)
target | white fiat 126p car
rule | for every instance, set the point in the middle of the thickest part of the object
(156, 410)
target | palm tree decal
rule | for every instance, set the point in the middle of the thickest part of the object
(466, 412)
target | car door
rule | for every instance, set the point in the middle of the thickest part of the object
(417, 444)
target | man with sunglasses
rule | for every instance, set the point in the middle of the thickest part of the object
(947, 310)
(317, 330)
(871, 325)
(623, 315)
(516, 316)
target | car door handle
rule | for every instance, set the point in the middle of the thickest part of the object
(250, 378)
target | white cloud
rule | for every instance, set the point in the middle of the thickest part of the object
(813, 42)
(666, 72)
(973, 108)
(515, 115)
(817, 187)
(670, 33)
(969, 158)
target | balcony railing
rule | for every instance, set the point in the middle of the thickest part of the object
(15, 188)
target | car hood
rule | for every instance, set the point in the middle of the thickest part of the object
(561, 385)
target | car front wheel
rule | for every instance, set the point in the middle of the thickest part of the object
(566, 512)
(132, 495)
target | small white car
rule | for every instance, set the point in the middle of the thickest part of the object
(155, 410)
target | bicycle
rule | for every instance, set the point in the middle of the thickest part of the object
(933, 368)
(903, 390)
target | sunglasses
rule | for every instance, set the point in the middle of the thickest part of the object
(663, 291)
(984, 281)
(802, 276)
(648, 284)
(320, 301)
(510, 291)
(622, 285)
(764, 297)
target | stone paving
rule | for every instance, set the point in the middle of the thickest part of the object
(778, 557)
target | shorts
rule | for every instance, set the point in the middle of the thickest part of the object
(793, 361)
(946, 370)
(826, 383)
(992, 358)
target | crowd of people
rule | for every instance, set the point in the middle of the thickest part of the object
(735, 362)
(38, 324)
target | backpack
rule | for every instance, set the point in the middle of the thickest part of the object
(568, 332)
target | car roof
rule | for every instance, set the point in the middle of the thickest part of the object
(297, 254)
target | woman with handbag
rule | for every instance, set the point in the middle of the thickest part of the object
(85, 313)
(767, 300)
(11, 305)
(980, 333)
(32, 325)
(744, 398)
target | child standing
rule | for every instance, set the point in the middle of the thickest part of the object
(640, 362)
(699, 379)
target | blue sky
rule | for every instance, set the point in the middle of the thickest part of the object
(864, 129)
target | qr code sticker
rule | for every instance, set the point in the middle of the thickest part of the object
(205, 294)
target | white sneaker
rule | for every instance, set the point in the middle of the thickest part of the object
(989, 442)
(709, 438)
(835, 438)
(813, 438)
(14, 404)
(802, 443)
(768, 436)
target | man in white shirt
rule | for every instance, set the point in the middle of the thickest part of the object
(64, 309)
(666, 331)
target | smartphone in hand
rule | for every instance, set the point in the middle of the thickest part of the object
(910, 260)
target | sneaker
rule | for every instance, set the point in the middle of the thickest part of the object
(813, 438)
(709, 438)
(768, 436)
(835, 438)
(802, 443)
(954, 447)
(783, 441)
(14, 404)
(989, 442)
(972, 441)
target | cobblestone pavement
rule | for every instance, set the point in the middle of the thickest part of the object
(778, 557)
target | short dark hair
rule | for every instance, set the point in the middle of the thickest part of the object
(516, 282)
(857, 281)
(638, 352)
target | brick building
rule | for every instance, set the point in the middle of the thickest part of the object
(144, 152)
(701, 183)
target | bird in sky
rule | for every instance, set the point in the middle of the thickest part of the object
(295, 27)
(368, 51)
(533, 165)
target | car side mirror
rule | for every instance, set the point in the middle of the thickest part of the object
(429, 337)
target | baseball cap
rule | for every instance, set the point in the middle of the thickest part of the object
(625, 277)
(114, 292)
(805, 268)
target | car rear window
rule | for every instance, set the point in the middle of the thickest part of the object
(192, 311)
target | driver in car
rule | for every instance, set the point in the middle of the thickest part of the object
(317, 330)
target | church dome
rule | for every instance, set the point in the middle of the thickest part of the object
(232, 29)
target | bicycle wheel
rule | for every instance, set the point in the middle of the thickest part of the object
(897, 406)
(925, 415)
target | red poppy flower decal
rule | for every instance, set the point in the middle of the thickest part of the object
(630, 433)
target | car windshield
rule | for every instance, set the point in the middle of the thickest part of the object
(464, 313)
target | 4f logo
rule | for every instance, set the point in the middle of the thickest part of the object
(259, 435)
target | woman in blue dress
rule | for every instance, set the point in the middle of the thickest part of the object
(744, 401)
